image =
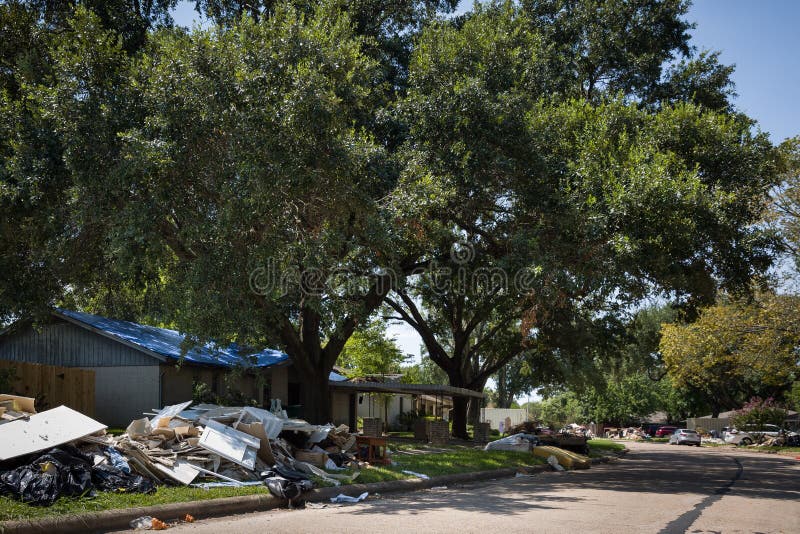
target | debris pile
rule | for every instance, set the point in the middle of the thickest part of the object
(557, 448)
(62, 452)
(574, 429)
(572, 437)
(635, 434)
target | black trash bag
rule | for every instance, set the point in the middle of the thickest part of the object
(288, 489)
(339, 458)
(109, 478)
(285, 472)
(60, 471)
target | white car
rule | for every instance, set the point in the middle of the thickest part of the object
(684, 436)
(752, 434)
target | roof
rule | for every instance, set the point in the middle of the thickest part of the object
(164, 344)
(409, 389)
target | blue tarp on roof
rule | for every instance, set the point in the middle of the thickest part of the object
(336, 377)
(168, 343)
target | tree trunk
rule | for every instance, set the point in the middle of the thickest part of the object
(474, 411)
(459, 414)
(475, 404)
(316, 394)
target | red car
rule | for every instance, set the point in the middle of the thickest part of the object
(665, 431)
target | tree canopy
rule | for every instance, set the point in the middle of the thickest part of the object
(512, 179)
(736, 349)
(544, 158)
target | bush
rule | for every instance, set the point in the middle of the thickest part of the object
(759, 412)
(406, 419)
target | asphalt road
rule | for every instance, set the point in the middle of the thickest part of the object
(656, 488)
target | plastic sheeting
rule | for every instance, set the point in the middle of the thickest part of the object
(517, 442)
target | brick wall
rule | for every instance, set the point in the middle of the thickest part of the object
(440, 432)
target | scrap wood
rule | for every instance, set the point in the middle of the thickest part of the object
(18, 403)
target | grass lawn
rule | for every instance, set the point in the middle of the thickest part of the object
(431, 461)
(605, 445)
(11, 509)
(434, 461)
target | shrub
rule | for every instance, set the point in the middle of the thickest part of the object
(759, 412)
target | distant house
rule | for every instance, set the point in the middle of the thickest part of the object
(140, 368)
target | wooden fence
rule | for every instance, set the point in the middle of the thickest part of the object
(53, 386)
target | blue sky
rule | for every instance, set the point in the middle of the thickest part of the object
(761, 38)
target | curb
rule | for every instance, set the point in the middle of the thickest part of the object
(119, 519)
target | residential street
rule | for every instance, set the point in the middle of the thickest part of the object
(656, 488)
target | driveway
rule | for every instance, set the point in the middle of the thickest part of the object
(656, 488)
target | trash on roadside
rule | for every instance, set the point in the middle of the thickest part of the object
(553, 461)
(418, 475)
(63, 452)
(519, 442)
(342, 498)
(148, 523)
(565, 458)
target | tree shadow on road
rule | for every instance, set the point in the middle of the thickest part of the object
(671, 471)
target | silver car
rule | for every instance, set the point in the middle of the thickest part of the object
(684, 436)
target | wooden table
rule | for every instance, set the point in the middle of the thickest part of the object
(376, 449)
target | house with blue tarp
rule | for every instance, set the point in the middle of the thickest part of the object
(140, 368)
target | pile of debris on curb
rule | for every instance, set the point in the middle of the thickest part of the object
(558, 448)
(631, 433)
(571, 437)
(63, 452)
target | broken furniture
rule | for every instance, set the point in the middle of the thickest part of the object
(372, 449)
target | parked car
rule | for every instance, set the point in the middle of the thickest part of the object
(752, 434)
(665, 431)
(684, 436)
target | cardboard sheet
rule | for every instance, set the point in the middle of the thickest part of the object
(45, 430)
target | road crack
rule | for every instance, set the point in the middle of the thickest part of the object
(684, 522)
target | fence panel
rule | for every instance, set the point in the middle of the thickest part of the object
(53, 386)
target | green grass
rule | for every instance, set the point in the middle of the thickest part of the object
(429, 461)
(11, 509)
(605, 445)
(658, 440)
(421, 459)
